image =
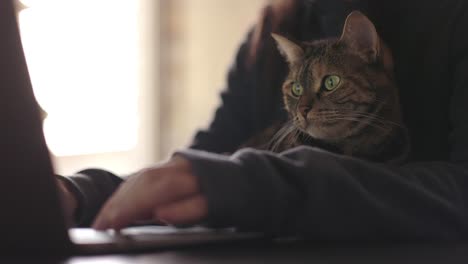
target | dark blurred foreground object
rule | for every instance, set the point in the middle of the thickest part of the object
(28, 196)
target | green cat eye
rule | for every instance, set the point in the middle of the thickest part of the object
(331, 82)
(297, 89)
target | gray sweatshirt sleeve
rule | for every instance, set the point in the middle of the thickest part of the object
(322, 196)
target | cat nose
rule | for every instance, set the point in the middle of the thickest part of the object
(304, 110)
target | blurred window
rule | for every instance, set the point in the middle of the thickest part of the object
(83, 61)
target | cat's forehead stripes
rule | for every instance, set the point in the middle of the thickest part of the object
(317, 50)
(304, 77)
(318, 62)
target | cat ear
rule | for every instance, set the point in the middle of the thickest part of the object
(359, 34)
(292, 52)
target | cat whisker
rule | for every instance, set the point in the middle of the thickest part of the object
(280, 136)
(376, 118)
(372, 117)
(378, 126)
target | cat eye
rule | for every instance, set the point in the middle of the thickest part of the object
(297, 89)
(331, 82)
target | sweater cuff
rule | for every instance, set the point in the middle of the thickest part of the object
(75, 190)
(231, 190)
(91, 188)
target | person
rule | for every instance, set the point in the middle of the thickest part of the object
(307, 191)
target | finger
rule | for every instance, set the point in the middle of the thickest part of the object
(188, 211)
(113, 217)
(100, 223)
(135, 202)
(139, 196)
(105, 217)
(173, 188)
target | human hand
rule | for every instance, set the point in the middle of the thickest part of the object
(168, 193)
(69, 202)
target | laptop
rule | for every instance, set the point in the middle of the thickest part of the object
(31, 215)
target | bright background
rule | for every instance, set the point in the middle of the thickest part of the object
(126, 82)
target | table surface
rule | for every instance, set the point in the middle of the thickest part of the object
(290, 253)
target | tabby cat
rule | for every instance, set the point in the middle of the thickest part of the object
(341, 95)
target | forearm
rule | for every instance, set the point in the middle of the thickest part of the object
(323, 196)
(231, 124)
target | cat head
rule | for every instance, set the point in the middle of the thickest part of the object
(339, 88)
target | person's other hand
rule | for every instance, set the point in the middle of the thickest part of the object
(168, 193)
(69, 202)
